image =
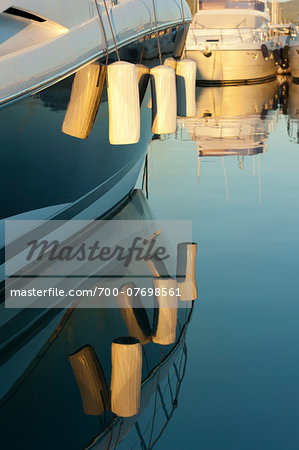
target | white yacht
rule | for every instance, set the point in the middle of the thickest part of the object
(55, 154)
(231, 42)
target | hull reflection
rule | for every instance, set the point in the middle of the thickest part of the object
(233, 120)
(62, 364)
(291, 97)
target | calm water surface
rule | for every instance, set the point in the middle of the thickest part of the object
(241, 387)
(234, 171)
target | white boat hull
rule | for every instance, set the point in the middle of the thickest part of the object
(233, 66)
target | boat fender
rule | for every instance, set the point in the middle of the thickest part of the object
(170, 62)
(156, 266)
(285, 52)
(166, 317)
(284, 55)
(276, 57)
(126, 357)
(91, 381)
(134, 313)
(87, 91)
(164, 100)
(186, 271)
(265, 52)
(275, 102)
(186, 88)
(143, 75)
(180, 41)
(124, 103)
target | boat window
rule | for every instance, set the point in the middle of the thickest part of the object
(232, 4)
(228, 21)
(24, 14)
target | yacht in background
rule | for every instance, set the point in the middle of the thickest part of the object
(231, 42)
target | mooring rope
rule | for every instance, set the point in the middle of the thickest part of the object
(142, 51)
(113, 36)
(184, 24)
(183, 15)
(157, 33)
(103, 29)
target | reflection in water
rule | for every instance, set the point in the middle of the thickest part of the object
(186, 271)
(134, 313)
(126, 376)
(233, 121)
(228, 120)
(167, 313)
(91, 381)
(141, 350)
(249, 260)
(291, 97)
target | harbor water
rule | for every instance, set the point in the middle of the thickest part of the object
(241, 389)
(229, 379)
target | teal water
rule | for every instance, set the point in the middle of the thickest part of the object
(228, 377)
(241, 387)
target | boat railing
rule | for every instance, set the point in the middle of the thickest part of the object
(224, 35)
(288, 30)
(232, 4)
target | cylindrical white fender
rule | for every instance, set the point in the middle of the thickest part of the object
(170, 62)
(133, 313)
(186, 271)
(164, 101)
(126, 353)
(165, 333)
(85, 100)
(186, 87)
(143, 75)
(124, 103)
(91, 381)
